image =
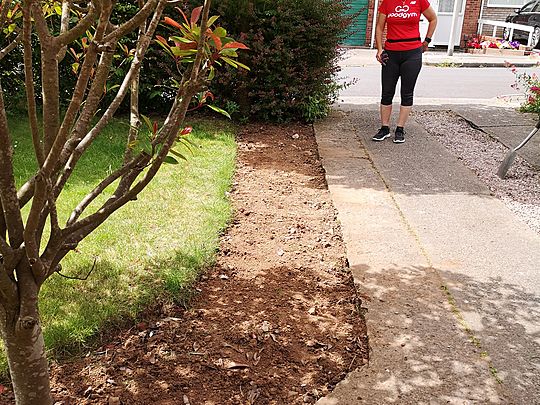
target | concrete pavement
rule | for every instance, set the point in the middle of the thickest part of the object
(450, 277)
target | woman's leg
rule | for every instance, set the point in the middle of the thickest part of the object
(389, 79)
(403, 115)
(410, 69)
(386, 113)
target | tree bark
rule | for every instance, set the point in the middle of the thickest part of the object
(28, 367)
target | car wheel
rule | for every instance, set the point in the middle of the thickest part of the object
(535, 37)
(506, 34)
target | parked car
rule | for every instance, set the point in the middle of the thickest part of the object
(528, 15)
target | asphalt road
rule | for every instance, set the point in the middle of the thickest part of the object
(437, 82)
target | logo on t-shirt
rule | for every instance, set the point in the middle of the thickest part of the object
(403, 12)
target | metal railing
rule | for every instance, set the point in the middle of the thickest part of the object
(512, 26)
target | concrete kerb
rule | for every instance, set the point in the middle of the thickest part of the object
(459, 64)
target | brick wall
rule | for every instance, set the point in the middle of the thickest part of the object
(497, 14)
(472, 14)
(371, 15)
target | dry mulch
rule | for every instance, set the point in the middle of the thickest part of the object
(275, 321)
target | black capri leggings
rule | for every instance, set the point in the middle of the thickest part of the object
(404, 64)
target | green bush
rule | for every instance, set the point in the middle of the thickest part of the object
(293, 60)
(293, 57)
(156, 84)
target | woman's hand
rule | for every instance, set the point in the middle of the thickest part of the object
(379, 56)
(382, 57)
(425, 46)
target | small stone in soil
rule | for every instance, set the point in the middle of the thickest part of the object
(114, 401)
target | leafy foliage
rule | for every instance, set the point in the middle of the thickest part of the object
(159, 78)
(529, 84)
(293, 57)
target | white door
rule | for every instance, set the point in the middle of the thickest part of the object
(444, 10)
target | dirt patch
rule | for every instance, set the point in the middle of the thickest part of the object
(276, 321)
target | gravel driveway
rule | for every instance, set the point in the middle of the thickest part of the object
(483, 155)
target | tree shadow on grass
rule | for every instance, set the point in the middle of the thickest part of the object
(80, 313)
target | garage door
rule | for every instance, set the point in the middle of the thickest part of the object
(357, 31)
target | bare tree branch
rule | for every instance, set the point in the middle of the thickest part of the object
(79, 230)
(40, 22)
(79, 29)
(8, 288)
(134, 119)
(8, 191)
(5, 249)
(49, 77)
(12, 45)
(77, 212)
(82, 228)
(3, 228)
(64, 25)
(33, 231)
(89, 109)
(26, 191)
(117, 201)
(132, 24)
(29, 83)
(142, 47)
(58, 150)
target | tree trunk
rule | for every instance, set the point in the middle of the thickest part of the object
(28, 367)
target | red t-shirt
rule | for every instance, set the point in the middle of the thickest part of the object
(403, 22)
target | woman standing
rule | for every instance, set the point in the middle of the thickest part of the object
(401, 57)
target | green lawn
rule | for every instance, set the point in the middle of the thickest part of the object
(151, 248)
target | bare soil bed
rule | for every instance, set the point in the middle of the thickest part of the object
(276, 321)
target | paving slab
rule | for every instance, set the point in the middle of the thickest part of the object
(438, 260)
(487, 116)
(507, 125)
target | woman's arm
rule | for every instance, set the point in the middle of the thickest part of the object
(430, 15)
(379, 29)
